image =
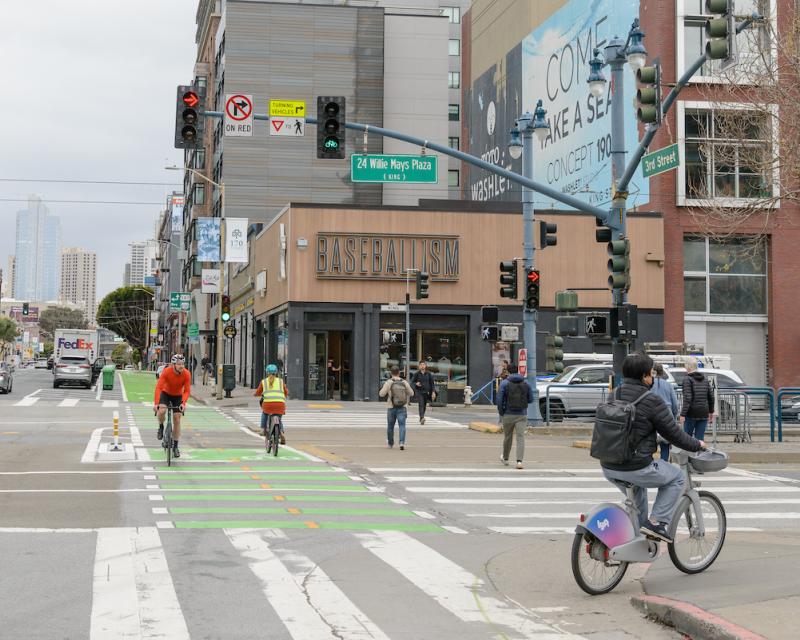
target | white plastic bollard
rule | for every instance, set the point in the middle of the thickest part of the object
(116, 446)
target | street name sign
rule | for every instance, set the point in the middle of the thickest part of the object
(394, 168)
(180, 301)
(509, 333)
(238, 114)
(393, 306)
(660, 161)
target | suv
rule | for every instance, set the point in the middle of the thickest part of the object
(72, 369)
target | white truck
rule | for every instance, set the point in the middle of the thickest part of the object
(76, 342)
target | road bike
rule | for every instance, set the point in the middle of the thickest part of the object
(273, 434)
(607, 538)
(167, 441)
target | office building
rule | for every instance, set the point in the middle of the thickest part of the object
(38, 253)
(79, 280)
(142, 263)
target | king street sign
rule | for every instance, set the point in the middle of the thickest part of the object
(393, 168)
(180, 301)
(660, 161)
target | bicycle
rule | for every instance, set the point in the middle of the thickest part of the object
(607, 538)
(273, 434)
(167, 441)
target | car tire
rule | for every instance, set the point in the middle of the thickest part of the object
(556, 410)
(55, 384)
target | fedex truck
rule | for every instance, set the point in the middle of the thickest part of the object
(76, 342)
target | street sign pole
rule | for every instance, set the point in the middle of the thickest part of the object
(220, 346)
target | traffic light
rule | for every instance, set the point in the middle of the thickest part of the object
(25, 309)
(554, 353)
(189, 118)
(531, 289)
(602, 234)
(330, 127)
(423, 280)
(508, 279)
(226, 308)
(547, 234)
(648, 96)
(619, 264)
(721, 31)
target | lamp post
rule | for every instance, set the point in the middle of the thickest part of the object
(222, 283)
(521, 144)
(616, 54)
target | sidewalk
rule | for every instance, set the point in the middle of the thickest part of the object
(240, 396)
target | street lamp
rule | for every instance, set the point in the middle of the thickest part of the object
(637, 54)
(222, 283)
(597, 81)
(521, 145)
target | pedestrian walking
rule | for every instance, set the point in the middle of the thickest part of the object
(398, 393)
(205, 363)
(664, 389)
(422, 382)
(698, 401)
(512, 403)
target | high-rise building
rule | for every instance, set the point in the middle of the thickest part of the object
(38, 253)
(79, 280)
(8, 278)
(142, 263)
(126, 275)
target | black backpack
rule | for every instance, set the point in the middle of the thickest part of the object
(611, 438)
(517, 395)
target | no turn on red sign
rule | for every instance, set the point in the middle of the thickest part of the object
(238, 114)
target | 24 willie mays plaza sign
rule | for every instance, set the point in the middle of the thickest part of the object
(386, 256)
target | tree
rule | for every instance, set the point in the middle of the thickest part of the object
(121, 354)
(54, 318)
(8, 334)
(125, 311)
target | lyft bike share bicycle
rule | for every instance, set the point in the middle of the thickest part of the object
(273, 434)
(607, 538)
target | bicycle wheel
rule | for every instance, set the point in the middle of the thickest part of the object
(267, 439)
(167, 441)
(275, 435)
(593, 573)
(692, 552)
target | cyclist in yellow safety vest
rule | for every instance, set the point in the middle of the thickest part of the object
(272, 393)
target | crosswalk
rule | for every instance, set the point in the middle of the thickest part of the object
(339, 418)
(147, 582)
(32, 401)
(549, 501)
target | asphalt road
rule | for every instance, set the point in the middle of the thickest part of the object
(231, 543)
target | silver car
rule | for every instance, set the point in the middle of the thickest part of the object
(72, 369)
(6, 378)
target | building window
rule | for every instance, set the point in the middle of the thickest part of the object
(453, 14)
(454, 79)
(726, 154)
(452, 142)
(453, 113)
(452, 177)
(199, 193)
(724, 277)
(754, 50)
(454, 47)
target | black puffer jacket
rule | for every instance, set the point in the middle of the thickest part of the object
(652, 415)
(698, 397)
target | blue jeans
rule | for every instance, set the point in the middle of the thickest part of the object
(668, 478)
(664, 451)
(265, 421)
(696, 427)
(398, 414)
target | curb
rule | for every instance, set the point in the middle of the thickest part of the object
(582, 444)
(485, 427)
(690, 620)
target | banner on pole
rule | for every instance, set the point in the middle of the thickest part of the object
(209, 282)
(208, 240)
(235, 239)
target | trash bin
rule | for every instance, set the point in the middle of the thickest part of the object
(440, 386)
(109, 371)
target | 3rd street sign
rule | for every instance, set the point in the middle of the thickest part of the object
(393, 168)
(660, 161)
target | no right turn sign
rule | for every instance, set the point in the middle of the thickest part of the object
(238, 115)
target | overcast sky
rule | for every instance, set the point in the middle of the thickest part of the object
(88, 93)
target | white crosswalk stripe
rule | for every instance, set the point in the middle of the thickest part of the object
(548, 501)
(337, 418)
(138, 590)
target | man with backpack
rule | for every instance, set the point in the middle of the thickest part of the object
(512, 403)
(624, 441)
(398, 393)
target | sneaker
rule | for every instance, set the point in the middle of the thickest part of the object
(160, 434)
(503, 460)
(422, 420)
(402, 447)
(657, 531)
(391, 446)
(519, 464)
(176, 452)
(283, 439)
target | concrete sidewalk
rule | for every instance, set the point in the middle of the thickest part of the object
(240, 396)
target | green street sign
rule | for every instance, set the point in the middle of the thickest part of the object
(660, 161)
(180, 301)
(394, 168)
(194, 330)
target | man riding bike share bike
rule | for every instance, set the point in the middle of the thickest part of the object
(172, 390)
(273, 394)
(652, 415)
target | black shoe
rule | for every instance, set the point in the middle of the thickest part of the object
(657, 531)
(402, 447)
(176, 452)
(160, 434)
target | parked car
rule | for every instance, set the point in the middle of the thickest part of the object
(790, 411)
(6, 378)
(72, 370)
(41, 363)
(97, 367)
(129, 367)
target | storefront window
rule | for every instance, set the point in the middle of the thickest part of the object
(393, 351)
(282, 342)
(446, 355)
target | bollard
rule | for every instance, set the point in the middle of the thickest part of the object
(116, 446)
(467, 396)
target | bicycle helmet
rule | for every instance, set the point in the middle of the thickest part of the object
(272, 370)
(177, 358)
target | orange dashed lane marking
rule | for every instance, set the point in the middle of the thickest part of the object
(311, 525)
(265, 486)
(279, 498)
(294, 511)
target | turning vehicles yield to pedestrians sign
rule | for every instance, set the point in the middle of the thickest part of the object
(238, 115)
(294, 127)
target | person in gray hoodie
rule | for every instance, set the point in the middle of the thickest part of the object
(512, 403)
(664, 389)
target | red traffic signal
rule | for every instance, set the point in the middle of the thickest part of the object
(190, 99)
(533, 277)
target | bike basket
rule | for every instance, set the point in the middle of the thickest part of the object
(706, 461)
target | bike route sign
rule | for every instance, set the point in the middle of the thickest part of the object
(394, 168)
